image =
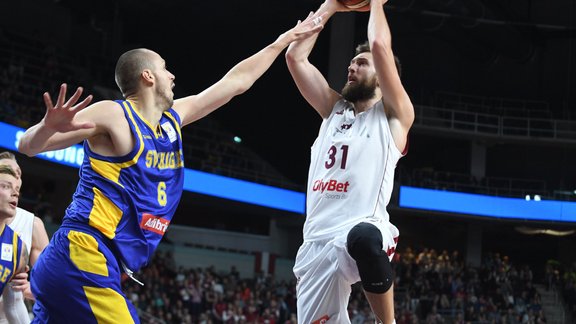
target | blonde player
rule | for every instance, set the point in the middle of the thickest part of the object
(347, 234)
(13, 254)
(31, 230)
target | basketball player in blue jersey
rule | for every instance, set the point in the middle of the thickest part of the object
(31, 230)
(348, 236)
(13, 252)
(130, 180)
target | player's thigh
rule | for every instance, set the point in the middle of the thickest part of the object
(322, 293)
(77, 277)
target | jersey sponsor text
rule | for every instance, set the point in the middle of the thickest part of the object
(322, 320)
(330, 185)
(154, 224)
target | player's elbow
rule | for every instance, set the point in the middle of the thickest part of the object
(25, 149)
(237, 86)
(293, 58)
(242, 85)
(289, 56)
(380, 44)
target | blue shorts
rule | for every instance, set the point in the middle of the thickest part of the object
(76, 279)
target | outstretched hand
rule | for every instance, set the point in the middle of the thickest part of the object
(60, 117)
(313, 24)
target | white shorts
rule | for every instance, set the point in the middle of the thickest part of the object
(325, 272)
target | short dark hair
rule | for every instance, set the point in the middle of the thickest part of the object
(365, 48)
(7, 156)
(128, 69)
(4, 169)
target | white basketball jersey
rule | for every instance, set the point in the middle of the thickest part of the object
(23, 224)
(351, 174)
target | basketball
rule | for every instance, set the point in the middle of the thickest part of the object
(359, 5)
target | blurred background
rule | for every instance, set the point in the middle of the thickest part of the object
(494, 89)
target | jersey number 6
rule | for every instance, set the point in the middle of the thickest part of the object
(162, 193)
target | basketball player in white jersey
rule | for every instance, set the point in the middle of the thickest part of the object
(31, 230)
(347, 234)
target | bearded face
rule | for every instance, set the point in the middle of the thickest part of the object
(361, 90)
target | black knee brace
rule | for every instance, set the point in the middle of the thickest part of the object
(364, 245)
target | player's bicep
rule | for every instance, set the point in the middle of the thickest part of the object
(394, 96)
(313, 87)
(39, 240)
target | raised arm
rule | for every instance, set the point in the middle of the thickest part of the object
(309, 80)
(397, 104)
(243, 75)
(59, 118)
(68, 122)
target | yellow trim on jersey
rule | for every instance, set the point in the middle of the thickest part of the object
(85, 255)
(169, 115)
(15, 248)
(111, 170)
(156, 130)
(108, 305)
(2, 226)
(108, 170)
(105, 215)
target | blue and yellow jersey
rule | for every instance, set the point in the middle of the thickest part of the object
(11, 249)
(130, 200)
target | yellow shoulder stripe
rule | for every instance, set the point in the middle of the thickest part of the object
(111, 170)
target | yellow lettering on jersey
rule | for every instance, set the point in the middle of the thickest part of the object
(149, 158)
(5, 274)
(170, 159)
(161, 165)
(155, 164)
(179, 159)
(164, 160)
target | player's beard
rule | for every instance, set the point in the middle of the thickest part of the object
(360, 91)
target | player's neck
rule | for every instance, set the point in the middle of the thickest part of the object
(8, 220)
(147, 108)
(363, 105)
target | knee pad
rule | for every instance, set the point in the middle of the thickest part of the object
(364, 244)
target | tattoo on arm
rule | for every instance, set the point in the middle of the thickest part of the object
(24, 256)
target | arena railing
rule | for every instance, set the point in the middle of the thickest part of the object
(488, 125)
(493, 186)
